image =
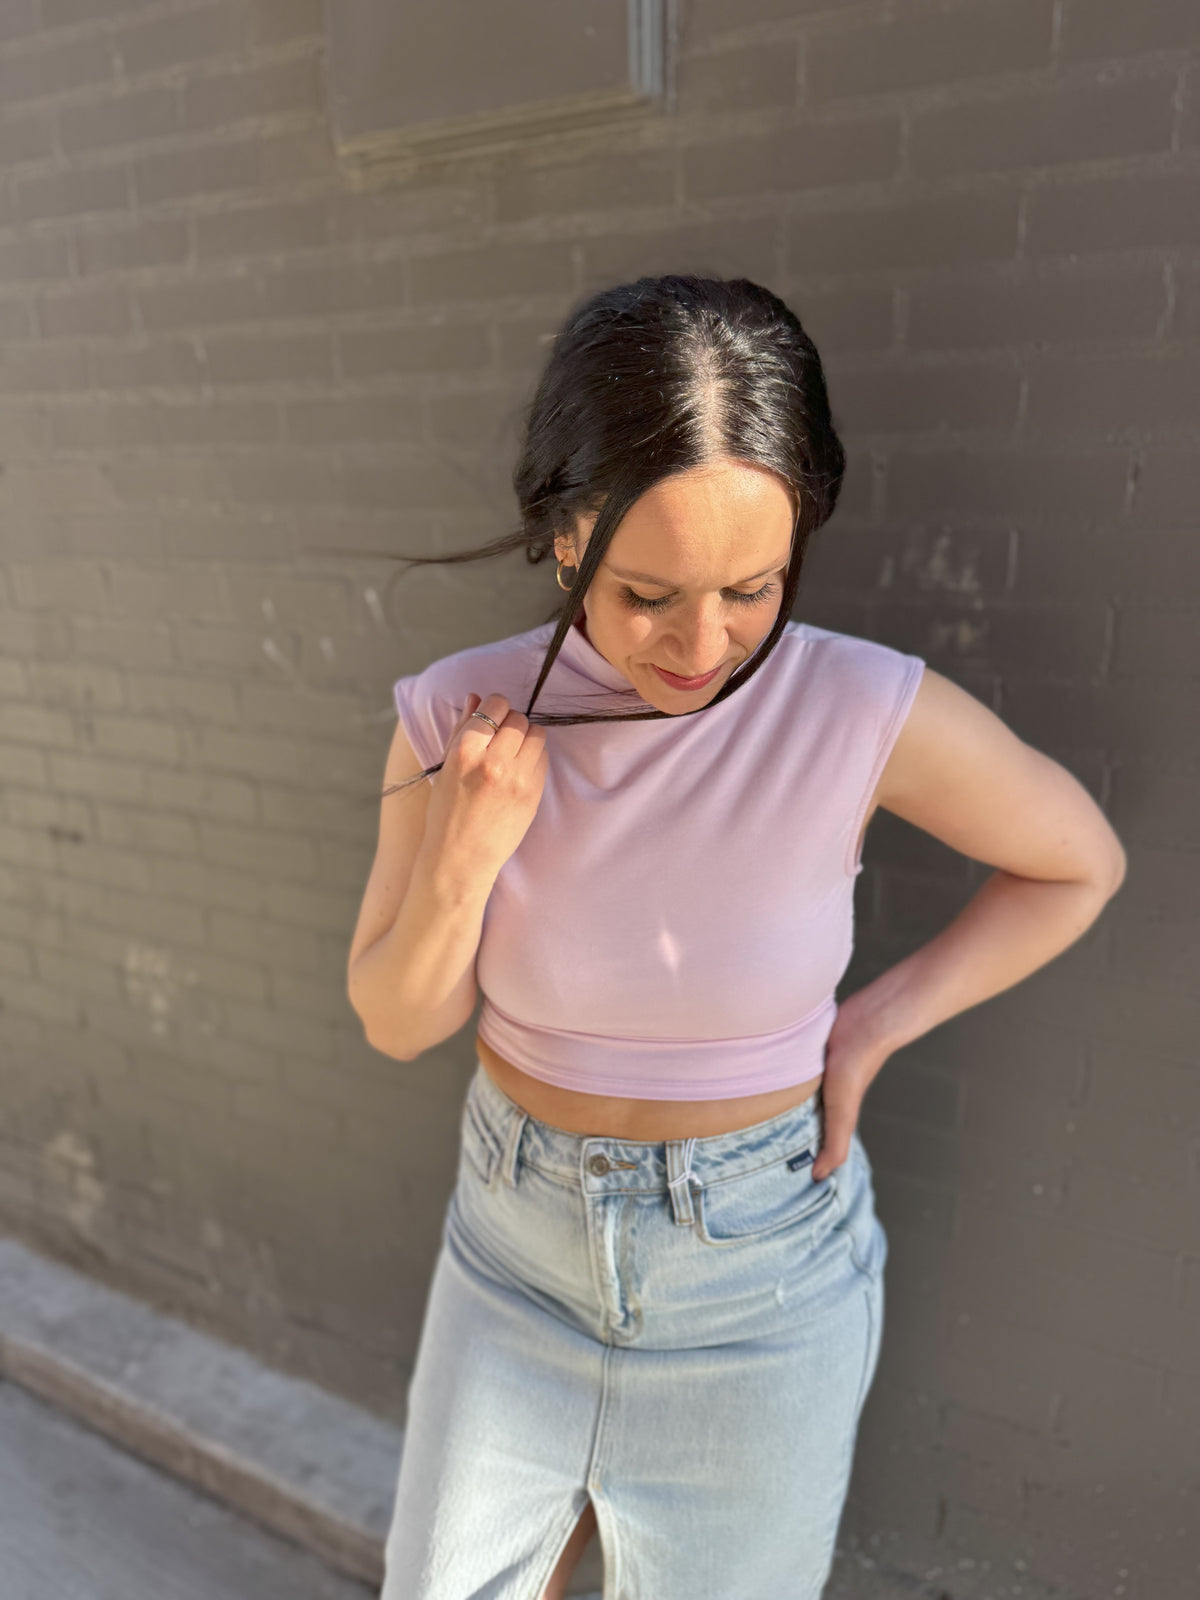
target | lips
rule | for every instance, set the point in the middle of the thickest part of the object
(676, 682)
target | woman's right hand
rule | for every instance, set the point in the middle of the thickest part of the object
(489, 787)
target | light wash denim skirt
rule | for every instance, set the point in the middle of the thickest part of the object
(685, 1331)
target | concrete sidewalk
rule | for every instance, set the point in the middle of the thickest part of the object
(305, 1479)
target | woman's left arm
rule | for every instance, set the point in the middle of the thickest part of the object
(958, 772)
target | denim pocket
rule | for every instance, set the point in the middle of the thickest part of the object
(767, 1200)
(480, 1151)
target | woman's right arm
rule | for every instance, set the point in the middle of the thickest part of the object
(411, 970)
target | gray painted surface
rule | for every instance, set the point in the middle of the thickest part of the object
(219, 353)
(85, 1520)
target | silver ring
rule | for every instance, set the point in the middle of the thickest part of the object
(486, 718)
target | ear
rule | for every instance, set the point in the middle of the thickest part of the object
(564, 550)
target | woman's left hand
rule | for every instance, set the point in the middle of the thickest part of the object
(853, 1058)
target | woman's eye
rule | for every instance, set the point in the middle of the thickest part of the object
(641, 603)
(739, 597)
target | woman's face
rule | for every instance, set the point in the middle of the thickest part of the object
(691, 580)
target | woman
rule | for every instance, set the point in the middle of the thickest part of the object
(658, 1303)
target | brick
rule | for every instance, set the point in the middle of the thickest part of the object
(285, 602)
(164, 306)
(1089, 563)
(135, 738)
(912, 1206)
(747, 248)
(1139, 391)
(28, 724)
(486, 422)
(1142, 210)
(149, 242)
(1021, 308)
(806, 155)
(148, 478)
(86, 311)
(54, 67)
(1156, 641)
(180, 39)
(1038, 128)
(283, 21)
(1160, 805)
(739, 80)
(203, 699)
(981, 484)
(199, 793)
(919, 398)
(1186, 320)
(76, 193)
(72, 684)
(252, 93)
(268, 357)
(422, 481)
(1117, 717)
(39, 1000)
(1094, 29)
(62, 13)
(277, 478)
(189, 593)
(270, 229)
(29, 136)
(75, 975)
(492, 271)
(71, 586)
(941, 232)
(423, 202)
(848, 320)
(349, 419)
(127, 119)
(174, 175)
(16, 320)
(1167, 486)
(280, 856)
(20, 18)
(327, 287)
(1152, 1208)
(92, 426)
(716, 16)
(453, 346)
(135, 828)
(154, 363)
(927, 44)
(610, 183)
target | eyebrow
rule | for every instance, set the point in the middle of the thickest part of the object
(661, 583)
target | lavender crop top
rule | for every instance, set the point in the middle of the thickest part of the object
(677, 918)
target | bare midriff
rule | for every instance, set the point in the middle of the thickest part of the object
(615, 1117)
(604, 1116)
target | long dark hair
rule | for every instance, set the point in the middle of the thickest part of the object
(648, 379)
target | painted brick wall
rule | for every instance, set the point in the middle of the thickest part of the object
(226, 371)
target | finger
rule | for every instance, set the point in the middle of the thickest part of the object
(839, 1126)
(535, 741)
(495, 706)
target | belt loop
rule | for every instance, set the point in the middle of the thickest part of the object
(512, 1144)
(680, 1178)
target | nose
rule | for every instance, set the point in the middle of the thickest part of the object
(697, 642)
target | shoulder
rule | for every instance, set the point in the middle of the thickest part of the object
(845, 665)
(487, 668)
(429, 702)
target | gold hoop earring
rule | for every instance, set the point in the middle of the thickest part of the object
(558, 577)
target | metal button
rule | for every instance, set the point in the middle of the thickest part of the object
(599, 1165)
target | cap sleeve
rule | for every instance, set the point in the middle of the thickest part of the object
(424, 715)
(890, 682)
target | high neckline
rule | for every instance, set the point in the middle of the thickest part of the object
(588, 660)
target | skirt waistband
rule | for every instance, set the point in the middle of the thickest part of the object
(599, 1164)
